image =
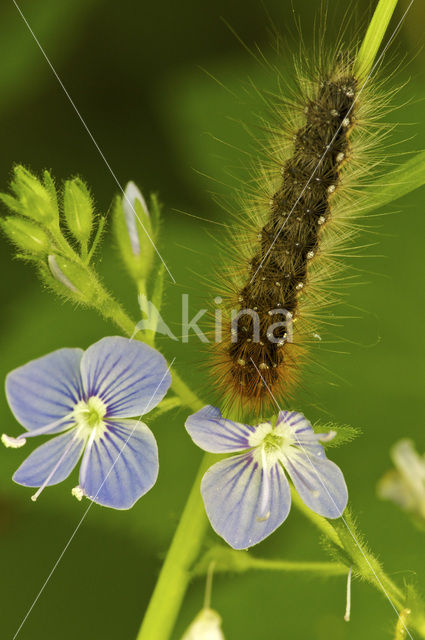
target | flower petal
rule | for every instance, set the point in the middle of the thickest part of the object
(233, 490)
(210, 431)
(121, 465)
(129, 376)
(295, 426)
(45, 390)
(319, 481)
(62, 452)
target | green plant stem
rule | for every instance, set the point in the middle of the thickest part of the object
(342, 533)
(175, 574)
(319, 522)
(318, 568)
(226, 559)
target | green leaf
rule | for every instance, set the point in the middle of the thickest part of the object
(397, 183)
(373, 38)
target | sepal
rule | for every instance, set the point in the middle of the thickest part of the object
(78, 210)
(26, 235)
(32, 198)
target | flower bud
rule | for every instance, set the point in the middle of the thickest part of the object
(26, 235)
(59, 275)
(405, 485)
(134, 232)
(206, 626)
(32, 198)
(78, 209)
(76, 280)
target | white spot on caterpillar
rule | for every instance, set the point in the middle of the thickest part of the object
(332, 188)
(299, 286)
(321, 220)
(334, 112)
(310, 255)
(349, 93)
(346, 122)
(241, 362)
(340, 157)
(263, 365)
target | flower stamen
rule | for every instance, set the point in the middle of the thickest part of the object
(12, 443)
(265, 495)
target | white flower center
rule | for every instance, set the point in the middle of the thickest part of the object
(271, 441)
(89, 415)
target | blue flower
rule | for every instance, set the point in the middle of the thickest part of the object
(247, 496)
(88, 397)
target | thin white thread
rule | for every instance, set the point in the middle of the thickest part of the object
(333, 139)
(44, 585)
(384, 591)
(102, 155)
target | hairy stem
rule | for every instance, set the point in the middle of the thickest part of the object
(175, 575)
(227, 559)
(353, 552)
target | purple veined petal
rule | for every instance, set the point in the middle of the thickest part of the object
(52, 462)
(233, 494)
(295, 425)
(121, 465)
(130, 377)
(45, 390)
(319, 481)
(210, 431)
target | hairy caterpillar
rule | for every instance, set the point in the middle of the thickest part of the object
(287, 247)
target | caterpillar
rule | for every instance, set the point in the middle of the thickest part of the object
(277, 282)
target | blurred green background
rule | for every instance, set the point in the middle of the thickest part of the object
(135, 71)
